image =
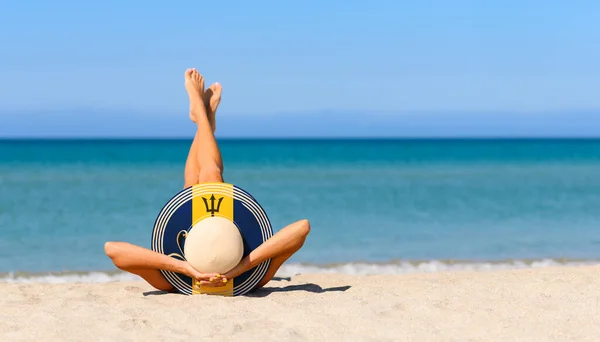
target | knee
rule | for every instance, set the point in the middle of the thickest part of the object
(112, 249)
(210, 175)
(303, 228)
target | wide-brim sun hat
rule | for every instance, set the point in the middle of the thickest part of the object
(193, 208)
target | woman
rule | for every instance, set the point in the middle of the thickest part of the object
(204, 164)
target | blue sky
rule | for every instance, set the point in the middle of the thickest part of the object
(121, 62)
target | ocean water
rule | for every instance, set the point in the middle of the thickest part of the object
(375, 206)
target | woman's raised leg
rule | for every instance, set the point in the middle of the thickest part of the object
(211, 99)
(210, 163)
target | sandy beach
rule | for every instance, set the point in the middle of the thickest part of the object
(547, 304)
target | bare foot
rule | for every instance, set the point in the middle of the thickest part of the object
(194, 84)
(212, 98)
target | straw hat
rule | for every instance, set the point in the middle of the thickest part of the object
(214, 245)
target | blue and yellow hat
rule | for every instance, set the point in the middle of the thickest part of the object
(195, 203)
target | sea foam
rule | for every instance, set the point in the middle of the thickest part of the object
(356, 268)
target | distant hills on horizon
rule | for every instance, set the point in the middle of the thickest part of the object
(95, 123)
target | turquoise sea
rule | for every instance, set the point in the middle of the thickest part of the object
(376, 206)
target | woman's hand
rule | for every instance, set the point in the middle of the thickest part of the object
(216, 281)
(206, 279)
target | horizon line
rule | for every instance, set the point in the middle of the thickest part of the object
(319, 110)
(141, 138)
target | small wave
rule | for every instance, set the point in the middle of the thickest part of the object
(355, 268)
(68, 277)
(427, 266)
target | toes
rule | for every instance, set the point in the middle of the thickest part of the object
(196, 74)
(216, 98)
(213, 92)
(218, 89)
(201, 82)
(193, 75)
(214, 88)
(208, 93)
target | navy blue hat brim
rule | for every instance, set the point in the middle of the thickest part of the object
(198, 202)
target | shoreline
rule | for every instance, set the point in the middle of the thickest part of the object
(537, 304)
(398, 267)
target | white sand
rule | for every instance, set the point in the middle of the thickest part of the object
(551, 304)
